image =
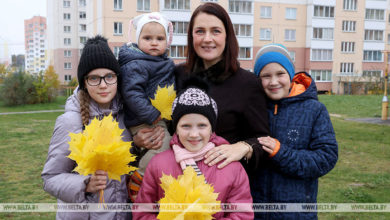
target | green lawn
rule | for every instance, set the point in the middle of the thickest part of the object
(58, 104)
(362, 174)
(353, 106)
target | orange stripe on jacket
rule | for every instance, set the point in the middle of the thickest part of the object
(276, 149)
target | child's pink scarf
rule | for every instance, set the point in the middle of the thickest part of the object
(185, 157)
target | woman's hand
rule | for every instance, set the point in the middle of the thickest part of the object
(97, 182)
(226, 152)
(149, 138)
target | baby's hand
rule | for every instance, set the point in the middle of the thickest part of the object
(268, 143)
(97, 182)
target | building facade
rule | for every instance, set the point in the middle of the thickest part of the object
(35, 44)
(337, 41)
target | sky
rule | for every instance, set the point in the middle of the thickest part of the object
(12, 16)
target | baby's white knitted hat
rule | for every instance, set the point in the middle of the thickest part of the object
(139, 21)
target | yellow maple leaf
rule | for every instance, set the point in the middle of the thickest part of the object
(163, 100)
(100, 147)
(194, 198)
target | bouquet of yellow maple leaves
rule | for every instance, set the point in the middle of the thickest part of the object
(163, 100)
(192, 192)
(100, 147)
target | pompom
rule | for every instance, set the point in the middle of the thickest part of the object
(98, 39)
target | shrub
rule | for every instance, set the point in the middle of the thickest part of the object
(18, 89)
(22, 88)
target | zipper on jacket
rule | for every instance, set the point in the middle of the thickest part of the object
(274, 119)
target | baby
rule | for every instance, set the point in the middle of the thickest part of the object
(145, 66)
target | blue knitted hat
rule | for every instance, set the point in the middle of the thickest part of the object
(274, 53)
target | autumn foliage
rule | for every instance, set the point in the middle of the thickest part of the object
(18, 88)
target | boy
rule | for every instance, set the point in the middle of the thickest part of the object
(304, 147)
(144, 67)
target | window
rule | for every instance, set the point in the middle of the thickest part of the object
(117, 28)
(117, 4)
(372, 56)
(67, 41)
(67, 66)
(66, 3)
(321, 55)
(265, 33)
(239, 6)
(83, 40)
(66, 29)
(349, 26)
(83, 28)
(68, 78)
(243, 30)
(177, 51)
(177, 4)
(180, 27)
(347, 47)
(321, 75)
(323, 11)
(67, 53)
(82, 15)
(66, 16)
(372, 73)
(375, 14)
(82, 3)
(116, 52)
(349, 5)
(292, 55)
(289, 35)
(388, 38)
(245, 53)
(373, 35)
(346, 67)
(143, 5)
(323, 33)
(265, 12)
(291, 13)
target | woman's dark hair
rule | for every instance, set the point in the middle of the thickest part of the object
(231, 47)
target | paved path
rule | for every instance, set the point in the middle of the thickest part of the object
(371, 120)
(31, 112)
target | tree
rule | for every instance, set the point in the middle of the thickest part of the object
(18, 89)
(3, 72)
(46, 85)
(52, 83)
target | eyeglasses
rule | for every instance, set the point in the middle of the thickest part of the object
(94, 80)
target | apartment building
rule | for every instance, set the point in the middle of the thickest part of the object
(338, 42)
(35, 44)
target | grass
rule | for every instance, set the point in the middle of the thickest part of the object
(58, 104)
(353, 106)
(361, 175)
(24, 140)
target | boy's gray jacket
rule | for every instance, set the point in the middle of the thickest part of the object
(68, 186)
(140, 76)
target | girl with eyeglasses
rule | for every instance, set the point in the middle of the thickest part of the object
(96, 96)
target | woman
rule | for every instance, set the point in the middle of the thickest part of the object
(96, 96)
(212, 55)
